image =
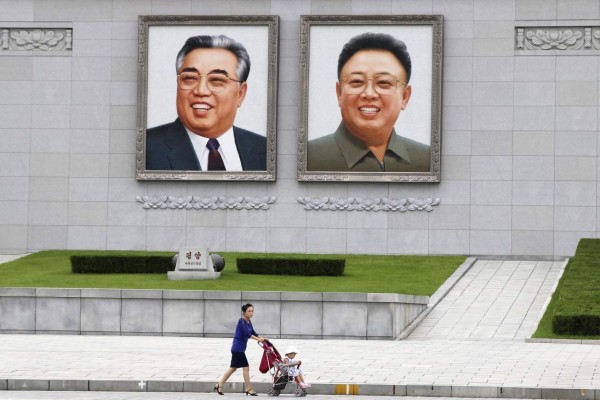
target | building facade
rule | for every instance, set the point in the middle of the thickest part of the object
(519, 138)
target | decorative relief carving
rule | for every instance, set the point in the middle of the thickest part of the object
(367, 204)
(205, 203)
(26, 39)
(558, 38)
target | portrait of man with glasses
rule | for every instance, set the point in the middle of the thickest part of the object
(211, 85)
(373, 88)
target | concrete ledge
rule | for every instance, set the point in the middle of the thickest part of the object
(101, 293)
(28, 384)
(69, 385)
(55, 292)
(379, 316)
(183, 295)
(489, 392)
(222, 295)
(165, 386)
(261, 296)
(412, 299)
(520, 393)
(323, 388)
(570, 394)
(117, 386)
(380, 390)
(590, 341)
(301, 296)
(53, 332)
(345, 297)
(17, 292)
(141, 294)
(382, 297)
(341, 389)
(428, 391)
(563, 341)
(207, 387)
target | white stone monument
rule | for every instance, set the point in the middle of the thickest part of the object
(193, 263)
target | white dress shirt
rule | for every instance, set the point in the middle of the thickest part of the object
(227, 149)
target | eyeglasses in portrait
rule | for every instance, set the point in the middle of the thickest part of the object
(370, 108)
(207, 98)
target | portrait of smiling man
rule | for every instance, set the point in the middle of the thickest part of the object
(372, 90)
(211, 86)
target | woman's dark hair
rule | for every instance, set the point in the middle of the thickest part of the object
(376, 41)
(246, 306)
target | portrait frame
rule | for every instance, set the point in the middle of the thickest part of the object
(321, 40)
(160, 37)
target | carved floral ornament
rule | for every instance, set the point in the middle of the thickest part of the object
(367, 204)
(205, 203)
(263, 203)
(25, 39)
(558, 38)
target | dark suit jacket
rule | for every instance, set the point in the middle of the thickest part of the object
(168, 147)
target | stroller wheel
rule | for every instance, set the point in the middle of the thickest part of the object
(299, 392)
(272, 392)
(304, 392)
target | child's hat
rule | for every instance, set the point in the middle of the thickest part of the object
(291, 349)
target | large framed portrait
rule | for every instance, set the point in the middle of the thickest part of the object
(207, 98)
(371, 94)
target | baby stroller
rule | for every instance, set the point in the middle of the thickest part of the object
(273, 363)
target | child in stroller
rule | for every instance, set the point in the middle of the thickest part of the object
(294, 369)
(280, 371)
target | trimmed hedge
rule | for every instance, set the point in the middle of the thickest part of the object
(588, 325)
(291, 266)
(577, 309)
(107, 264)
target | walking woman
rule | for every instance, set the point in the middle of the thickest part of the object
(243, 332)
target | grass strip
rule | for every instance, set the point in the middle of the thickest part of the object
(417, 275)
(576, 296)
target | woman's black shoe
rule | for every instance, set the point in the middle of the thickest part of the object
(218, 389)
(251, 393)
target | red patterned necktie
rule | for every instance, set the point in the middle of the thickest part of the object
(215, 162)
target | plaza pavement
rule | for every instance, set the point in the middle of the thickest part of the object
(471, 344)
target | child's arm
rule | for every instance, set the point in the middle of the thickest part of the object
(290, 363)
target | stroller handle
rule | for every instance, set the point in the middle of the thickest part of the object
(262, 345)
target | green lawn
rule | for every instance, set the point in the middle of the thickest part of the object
(418, 275)
(577, 292)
